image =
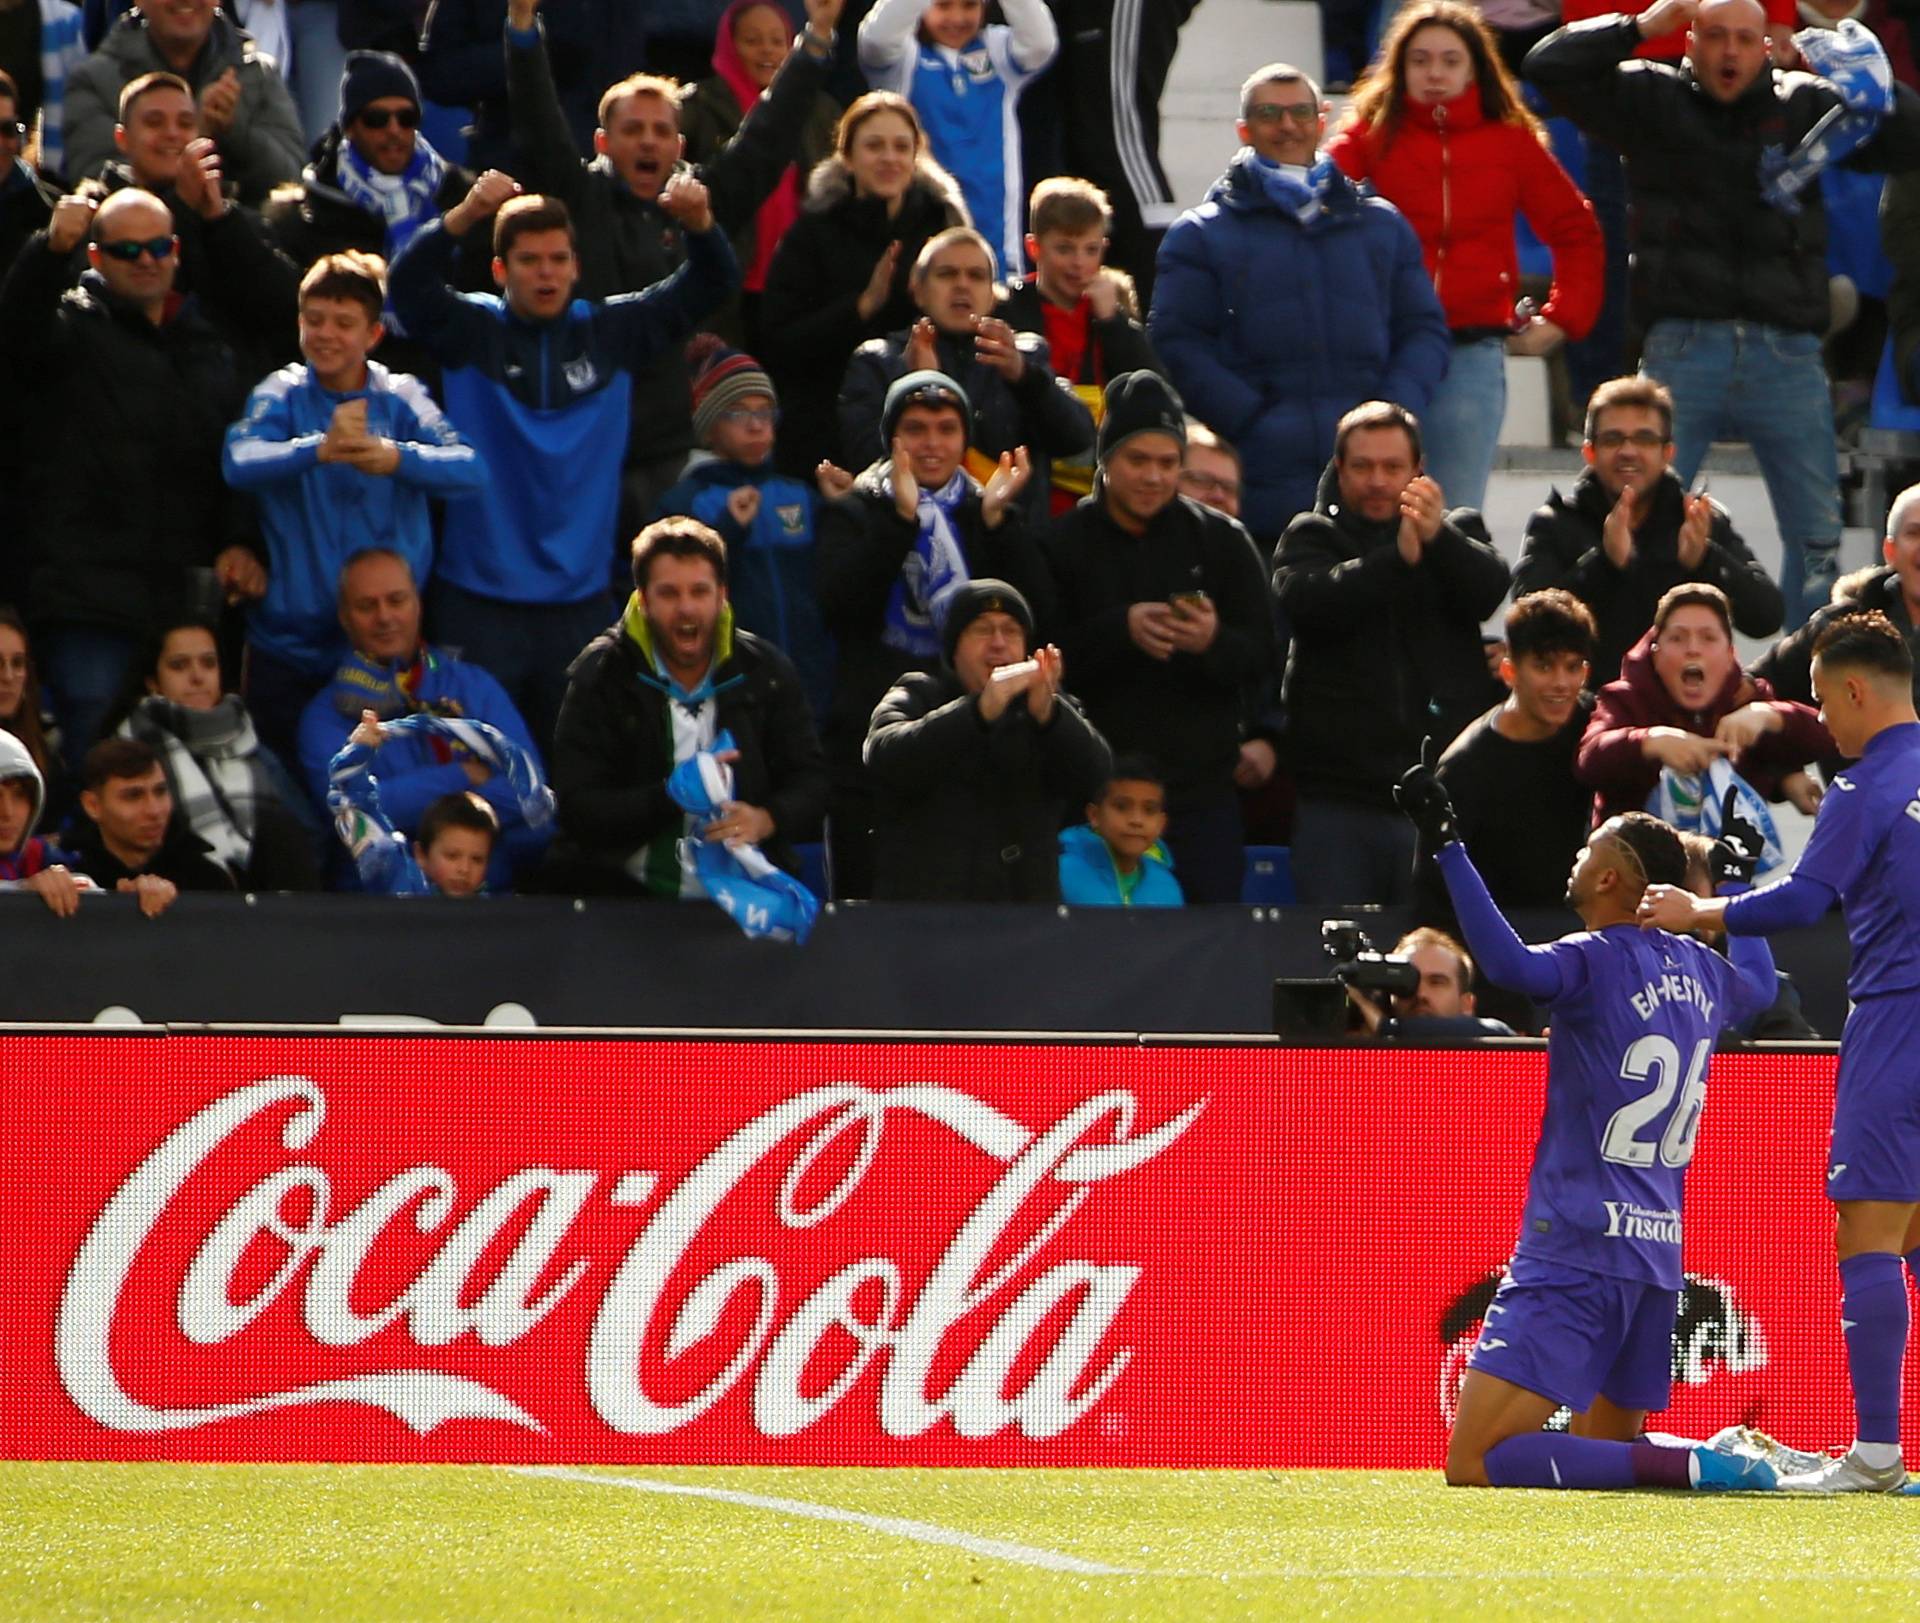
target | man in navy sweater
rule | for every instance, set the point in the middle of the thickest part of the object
(538, 382)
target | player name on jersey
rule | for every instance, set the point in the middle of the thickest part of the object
(1672, 988)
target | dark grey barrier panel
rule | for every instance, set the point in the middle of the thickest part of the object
(316, 959)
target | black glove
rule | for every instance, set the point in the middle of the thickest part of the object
(1736, 854)
(1423, 797)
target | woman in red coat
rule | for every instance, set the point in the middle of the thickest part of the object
(1438, 127)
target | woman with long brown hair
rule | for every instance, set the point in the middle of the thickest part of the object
(1438, 126)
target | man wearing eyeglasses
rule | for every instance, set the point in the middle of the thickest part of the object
(26, 201)
(1288, 298)
(374, 181)
(1628, 531)
(125, 512)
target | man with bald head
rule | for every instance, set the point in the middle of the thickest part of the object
(125, 521)
(1730, 286)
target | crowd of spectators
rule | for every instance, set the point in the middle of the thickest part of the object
(861, 429)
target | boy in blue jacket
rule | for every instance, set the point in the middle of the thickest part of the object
(765, 518)
(1116, 859)
(341, 454)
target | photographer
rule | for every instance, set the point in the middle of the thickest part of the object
(1439, 1005)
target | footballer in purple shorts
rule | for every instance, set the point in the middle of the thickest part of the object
(1864, 853)
(1585, 1317)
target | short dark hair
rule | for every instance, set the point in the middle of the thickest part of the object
(7, 87)
(1373, 414)
(1638, 391)
(462, 809)
(1551, 621)
(521, 216)
(1133, 768)
(677, 538)
(145, 85)
(354, 275)
(117, 758)
(1865, 640)
(1690, 595)
(1655, 846)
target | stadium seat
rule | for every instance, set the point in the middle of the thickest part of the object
(1890, 412)
(813, 866)
(1267, 880)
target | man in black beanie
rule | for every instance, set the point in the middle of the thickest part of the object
(1162, 612)
(374, 181)
(975, 763)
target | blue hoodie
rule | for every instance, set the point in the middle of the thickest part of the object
(770, 564)
(547, 405)
(1088, 877)
(316, 515)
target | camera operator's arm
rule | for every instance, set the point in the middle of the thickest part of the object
(1370, 1015)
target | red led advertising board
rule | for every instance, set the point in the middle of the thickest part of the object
(824, 1252)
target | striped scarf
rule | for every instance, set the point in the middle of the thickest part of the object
(63, 47)
(213, 765)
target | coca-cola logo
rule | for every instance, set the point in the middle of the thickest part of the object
(1039, 1363)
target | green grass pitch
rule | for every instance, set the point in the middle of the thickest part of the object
(391, 1543)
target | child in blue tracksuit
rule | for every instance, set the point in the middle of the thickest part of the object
(453, 845)
(964, 81)
(341, 455)
(765, 518)
(1116, 859)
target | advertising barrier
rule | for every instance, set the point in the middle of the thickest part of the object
(820, 1252)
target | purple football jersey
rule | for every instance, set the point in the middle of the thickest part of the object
(1632, 1031)
(1866, 846)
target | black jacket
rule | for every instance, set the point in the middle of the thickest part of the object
(1118, 344)
(1563, 548)
(613, 748)
(26, 205)
(1185, 711)
(230, 267)
(1788, 664)
(967, 810)
(1706, 245)
(810, 311)
(129, 419)
(183, 857)
(627, 242)
(1039, 412)
(863, 543)
(1384, 653)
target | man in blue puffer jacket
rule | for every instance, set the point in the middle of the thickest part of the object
(1289, 297)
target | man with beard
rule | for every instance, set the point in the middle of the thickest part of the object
(1585, 1316)
(1682, 702)
(653, 691)
(1628, 530)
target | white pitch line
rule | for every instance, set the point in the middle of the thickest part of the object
(997, 1549)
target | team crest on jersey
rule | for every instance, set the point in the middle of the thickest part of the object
(581, 374)
(792, 517)
(977, 65)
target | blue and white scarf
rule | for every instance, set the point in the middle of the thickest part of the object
(1854, 62)
(405, 202)
(1691, 802)
(765, 902)
(1294, 190)
(63, 47)
(935, 569)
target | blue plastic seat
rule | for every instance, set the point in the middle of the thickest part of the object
(1267, 879)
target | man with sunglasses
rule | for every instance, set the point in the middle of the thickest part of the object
(1288, 298)
(1628, 531)
(375, 180)
(125, 518)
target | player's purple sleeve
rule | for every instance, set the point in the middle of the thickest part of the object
(1787, 904)
(1503, 957)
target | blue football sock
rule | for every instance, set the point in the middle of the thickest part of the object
(1873, 1313)
(1552, 1459)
